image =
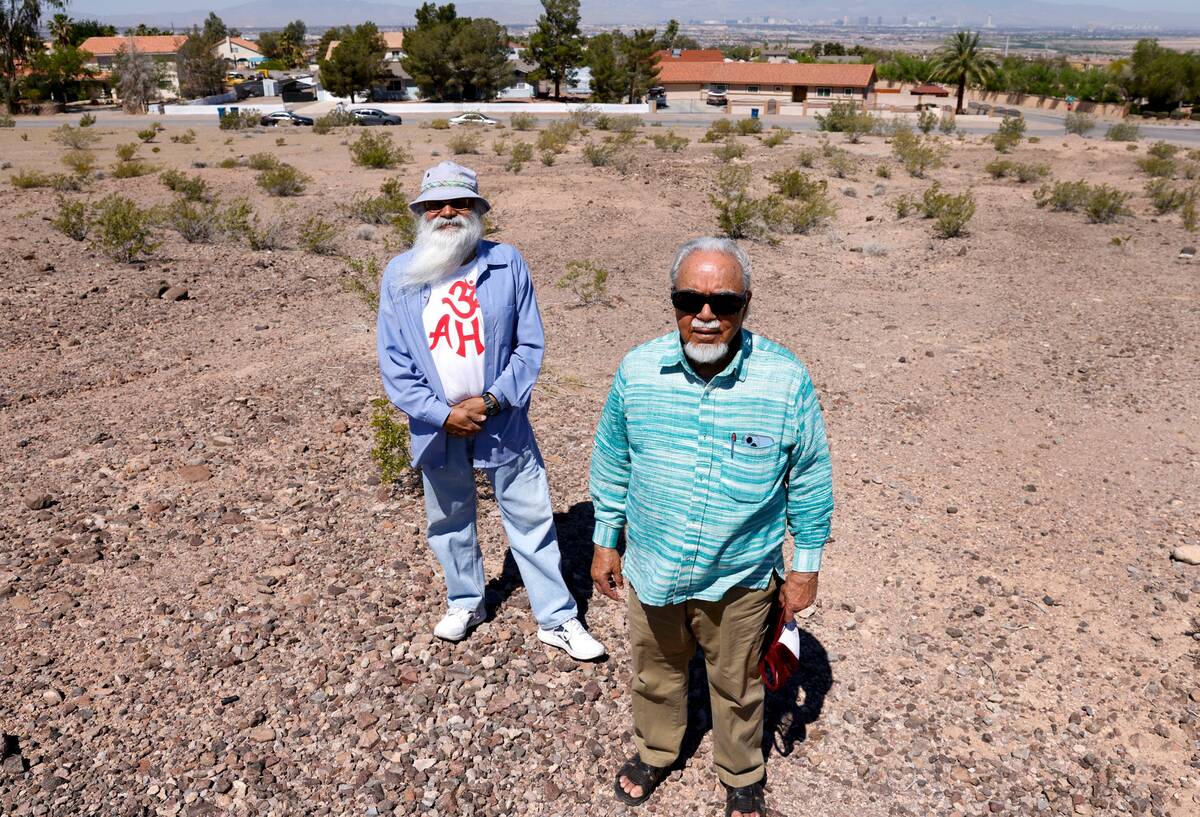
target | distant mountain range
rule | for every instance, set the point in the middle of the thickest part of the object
(321, 13)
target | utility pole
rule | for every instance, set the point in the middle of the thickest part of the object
(1006, 46)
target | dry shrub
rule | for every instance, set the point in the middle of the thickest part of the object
(557, 136)
(521, 153)
(588, 280)
(374, 148)
(1122, 132)
(381, 209)
(465, 141)
(337, 118)
(719, 131)
(669, 141)
(80, 162)
(131, 169)
(318, 236)
(122, 229)
(1165, 197)
(1079, 123)
(362, 280)
(730, 150)
(127, 151)
(75, 138)
(523, 121)
(71, 219)
(777, 137)
(196, 222)
(749, 126)
(192, 188)
(440, 124)
(738, 215)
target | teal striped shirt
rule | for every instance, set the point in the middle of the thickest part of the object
(704, 477)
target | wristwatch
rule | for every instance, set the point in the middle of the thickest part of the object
(491, 406)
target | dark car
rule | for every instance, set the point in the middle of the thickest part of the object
(285, 118)
(716, 98)
(374, 116)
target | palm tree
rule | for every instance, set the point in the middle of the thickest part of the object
(960, 60)
(60, 30)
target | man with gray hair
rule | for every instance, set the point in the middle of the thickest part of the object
(710, 446)
(460, 347)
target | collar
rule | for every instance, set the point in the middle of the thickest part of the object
(735, 368)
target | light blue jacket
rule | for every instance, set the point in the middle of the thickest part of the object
(513, 346)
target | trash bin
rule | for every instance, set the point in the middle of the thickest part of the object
(220, 113)
(754, 113)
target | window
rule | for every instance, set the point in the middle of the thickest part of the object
(824, 92)
(719, 87)
(778, 88)
(753, 89)
(847, 92)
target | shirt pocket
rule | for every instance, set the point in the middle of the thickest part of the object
(750, 466)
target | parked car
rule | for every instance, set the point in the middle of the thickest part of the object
(374, 116)
(285, 118)
(716, 98)
(472, 118)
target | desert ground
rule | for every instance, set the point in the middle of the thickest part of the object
(210, 605)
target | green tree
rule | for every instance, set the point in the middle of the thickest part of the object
(557, 46)
(61, 73)
(355, 63)
(143, 30)
(83, 29)
(60, 29)
(960, 60)
(427, 50)
(19, 41)
(201, 71)
(214, 28)
(1163, 77)
(603, 57)
(335, 33)
(640, 67)
(480, 57)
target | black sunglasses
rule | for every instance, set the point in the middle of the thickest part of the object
(461, 205)
(723, 304)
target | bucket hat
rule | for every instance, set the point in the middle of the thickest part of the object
(448, 181)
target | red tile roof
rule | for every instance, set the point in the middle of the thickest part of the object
(247, 44)
(765, 73)
(929, 90)
(693, 55)
(157, 44)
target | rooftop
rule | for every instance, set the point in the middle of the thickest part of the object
(765, 73)
(156, 44)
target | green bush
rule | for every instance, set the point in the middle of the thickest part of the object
(883, 171)
(390, 451)
(1188, 212)
(29, 179)
(521, 153)
(1165, 197)
(584, 115)
(501, 146)
(318, 236)
(126, 152)
(1062, 196)
(548, 157)
(362, 281)
(188, 137)
(66, 182)
(999, 168)
(623, 123)
(842, 164)
(282, 180)
(6, 120)
(847, 118)
(1163, 150)
(1105, 204)
(749, 127)
(1079, 123)
(196, 222)
(1157, 166)
(87, 120)
(74, 138)
(927, 120)
(806, 157)
(777, 137)
(379, 209)
(794, 184)
(72, 219)
(1122, 132)
(523, 121)
(730, 150)
(949, 212)
(229, 163)
(192, 188)
(669, 141)
(122, 229)
(240, 222)
(465, 141)
(738, 215)
(1029, 172)
(147, 134)
(918, 155)
(405, 225)
(80, 162)
(719, 131)
(337, 118)
(1009, 134)
(800, 205)
(374, 148)
(556, 136)
(947, 124)
(903, 205)
(588, 280)
(440, 124)
(241, 120)
(131, 169)
(261, 161)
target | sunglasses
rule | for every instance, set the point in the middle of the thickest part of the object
(724, 304)
(462, 205)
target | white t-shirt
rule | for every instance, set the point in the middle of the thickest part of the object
(454, 330)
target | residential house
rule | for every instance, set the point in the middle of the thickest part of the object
(239, 52)
(163, 49)
(690, 55)
(393, 83)
(765, 85)
(520, 87)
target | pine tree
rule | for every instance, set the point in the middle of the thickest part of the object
(355, 63)
(557, 46)
(201, 71)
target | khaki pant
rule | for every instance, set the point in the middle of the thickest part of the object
(663, 641)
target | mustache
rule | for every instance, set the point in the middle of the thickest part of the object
(699, 324)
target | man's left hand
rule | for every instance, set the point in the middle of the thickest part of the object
(799, 591)
(473, 406)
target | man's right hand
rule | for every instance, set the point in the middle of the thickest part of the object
(606, 572)
(463, 422)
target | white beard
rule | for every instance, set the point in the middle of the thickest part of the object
(704, 353)
(440, 249)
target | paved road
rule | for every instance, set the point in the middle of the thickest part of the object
(1040, 123)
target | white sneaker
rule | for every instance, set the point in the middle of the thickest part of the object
(457, 621)
(571, 636)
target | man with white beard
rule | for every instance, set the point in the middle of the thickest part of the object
(710, 446)
(460, 347)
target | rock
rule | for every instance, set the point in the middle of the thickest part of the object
(952, 509)
(194, 473)
(52, 697)
(551, 790)
(339, 427)
(174, 293)
(37, 501)
(262, 734)
(1188, 554)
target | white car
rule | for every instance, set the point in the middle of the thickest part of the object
(472, 118)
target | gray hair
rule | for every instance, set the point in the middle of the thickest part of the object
(725, 246)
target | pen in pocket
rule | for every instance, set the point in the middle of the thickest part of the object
(732, 441)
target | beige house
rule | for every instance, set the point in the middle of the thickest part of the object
(772, 87)
(163, 49)
(239, 52)
(392, 40)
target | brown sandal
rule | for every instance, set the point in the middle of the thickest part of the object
(639, 774)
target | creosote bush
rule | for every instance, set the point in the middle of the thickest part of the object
(748, 127)
(918, 154)
(318, 236)
(587, 280)
(147, 134)
(192, 188)
(841, 164)
(846, 117)
(381, 209)
(243, 119)
(669, 141)
(719, 131)
(950, 212)
(1062, 196)
(557, 136)
(390, 451)
(440, 124)
(520, 153)
(738, 215)
(362, 280)
(903, 205)
(261, 161)
(1162, 167)
(1079, 123)
(122, 229)
(71, 219)
(127, 151)
(523, 121)
(337, 118)
(80, 162)
(927, 120)
(806, 157)
(1105, 204)
(195, 221)
(188, 137)
(228, 163)
(465, 141)
(241, 223)
(947, 124)
(87, 120)
(1009, 134)
(282, 180)
(374, 148)
(1122, 132)
(1165, 197)
(75, 138)
(131, 169)
(730, 150)
(777, 137)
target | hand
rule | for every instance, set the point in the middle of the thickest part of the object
(606, 572)
(799, 592)
(475, 406)
(464, 423)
